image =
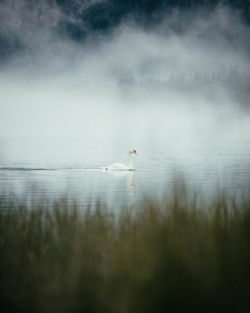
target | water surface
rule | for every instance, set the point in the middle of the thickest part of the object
(34, 169)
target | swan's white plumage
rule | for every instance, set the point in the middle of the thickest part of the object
(118, 167)
(121, 166)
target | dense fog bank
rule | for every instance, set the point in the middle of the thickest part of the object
(131, 86)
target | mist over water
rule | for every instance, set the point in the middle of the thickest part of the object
(181, 98)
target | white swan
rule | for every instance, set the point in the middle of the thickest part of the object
(123, 167)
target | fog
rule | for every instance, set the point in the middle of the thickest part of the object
(134, 86)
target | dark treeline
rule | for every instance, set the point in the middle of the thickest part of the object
(79, 19)
(104, 15)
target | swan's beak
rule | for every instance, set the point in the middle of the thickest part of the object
(133, 152)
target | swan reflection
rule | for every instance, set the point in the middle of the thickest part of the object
(130, 184)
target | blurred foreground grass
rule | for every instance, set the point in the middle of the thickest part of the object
(174, 255)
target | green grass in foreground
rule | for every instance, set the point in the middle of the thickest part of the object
(168, 256)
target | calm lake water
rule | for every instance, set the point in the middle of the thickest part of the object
(33, 169)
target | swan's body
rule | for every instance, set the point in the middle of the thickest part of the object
(118, 167)
(121, 166)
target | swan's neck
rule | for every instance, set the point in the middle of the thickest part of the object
(130, 161)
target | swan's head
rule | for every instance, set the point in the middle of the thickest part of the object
(133, 152)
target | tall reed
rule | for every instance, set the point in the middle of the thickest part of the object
(173, 255)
